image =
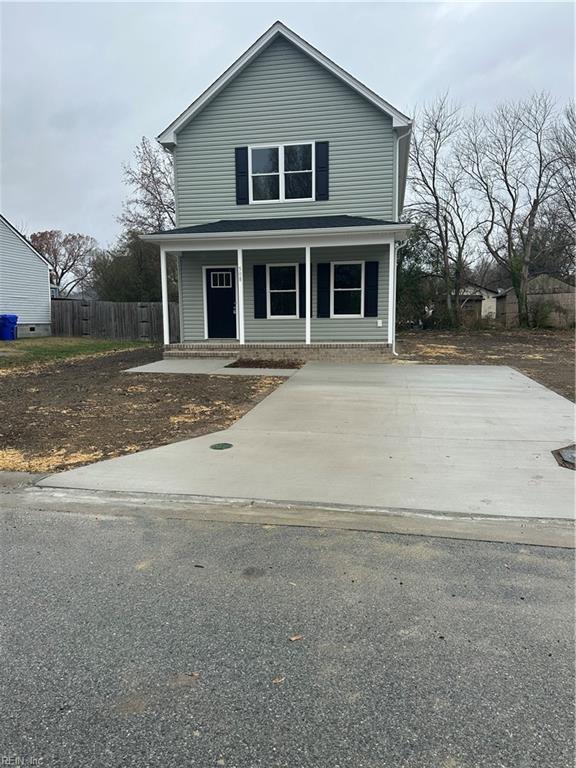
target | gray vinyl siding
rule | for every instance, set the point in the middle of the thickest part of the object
(24, 280)
(354, 328)
(192, 291)
(284, 96)
(273, 329)
(289, 330)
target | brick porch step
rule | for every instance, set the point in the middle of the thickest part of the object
(335, 352)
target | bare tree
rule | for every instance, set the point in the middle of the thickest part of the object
(439, 196)
(69, 255)
(511, 162)
(564, 140)
(151, 206)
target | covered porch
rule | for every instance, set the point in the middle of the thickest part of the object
(268, 284)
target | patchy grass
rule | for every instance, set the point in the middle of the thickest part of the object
(547, 356)
(26, 352)
(64, 413)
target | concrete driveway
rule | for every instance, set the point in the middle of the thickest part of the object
(451, 439)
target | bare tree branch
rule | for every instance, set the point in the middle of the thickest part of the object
(70, 257)
(512, 163)
(151, 205)
(438, 195)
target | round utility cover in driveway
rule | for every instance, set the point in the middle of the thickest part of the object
(566, 457)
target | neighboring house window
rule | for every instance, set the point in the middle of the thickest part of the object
(282, 281)
(347, 289)
(281, 173)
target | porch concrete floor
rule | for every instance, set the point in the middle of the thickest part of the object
(453, 439)
(213, 365)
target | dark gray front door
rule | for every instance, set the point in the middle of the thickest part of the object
(221, 302)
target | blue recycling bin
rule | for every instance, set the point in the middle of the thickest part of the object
(8, 325)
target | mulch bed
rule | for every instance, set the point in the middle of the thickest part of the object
(545, 356)
(65, 414)
(244, 362)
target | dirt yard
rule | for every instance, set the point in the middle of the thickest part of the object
(545, 356)
(66, 413)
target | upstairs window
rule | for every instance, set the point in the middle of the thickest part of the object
(298, 174)
(281, 173)
(265, 167)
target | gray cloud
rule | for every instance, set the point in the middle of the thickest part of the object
(81, 83)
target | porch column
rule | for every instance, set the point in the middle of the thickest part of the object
(308, 297)
(165, 308)
(392, 294)
(240, 301)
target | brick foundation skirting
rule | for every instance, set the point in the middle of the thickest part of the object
(335, 352)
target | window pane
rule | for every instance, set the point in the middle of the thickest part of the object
(347, 275)
(298, 185)
(282, 278)
(282, 304)
(265, 187)
(265, 160)
(298, 157)
(347, 302)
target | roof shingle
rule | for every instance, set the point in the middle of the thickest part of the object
(271, 225)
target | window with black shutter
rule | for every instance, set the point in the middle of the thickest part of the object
(241, 160)
(259, 277)
(283, 293)
(323, 290)
(347, 294)
(321, 163)
(282, 172)
(371, 289)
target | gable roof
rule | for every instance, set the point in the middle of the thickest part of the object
(168, 136)
(472, 284)
(553, 280)
(25, 240)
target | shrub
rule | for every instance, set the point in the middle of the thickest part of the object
(476, 323)
(541, 311)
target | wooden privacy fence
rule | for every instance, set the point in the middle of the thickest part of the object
(128, 320)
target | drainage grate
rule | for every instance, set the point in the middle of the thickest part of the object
(566, 457)
(221, 446)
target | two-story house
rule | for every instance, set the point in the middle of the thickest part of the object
(290, 177)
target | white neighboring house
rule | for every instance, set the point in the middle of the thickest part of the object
(477, 300)
(24, 282)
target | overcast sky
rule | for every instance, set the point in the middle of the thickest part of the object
(82, 82)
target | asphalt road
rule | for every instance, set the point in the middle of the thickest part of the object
(141, 642)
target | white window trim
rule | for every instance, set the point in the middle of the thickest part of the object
(281, 178)
(332, 289)
(268, 291)
(224, 273)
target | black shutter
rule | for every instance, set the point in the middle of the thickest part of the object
(302, 289)
(241, 155)
(371, 289)
(323, 308)
(260, 310)
(321, 154)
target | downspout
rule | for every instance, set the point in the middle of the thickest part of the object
(396, 217)
(394, 353)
